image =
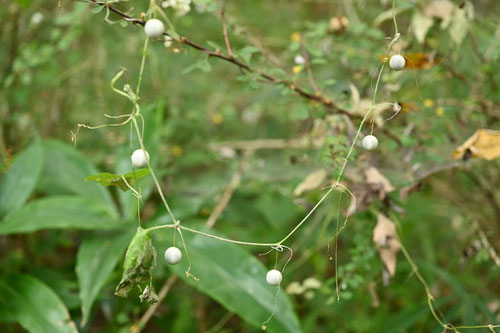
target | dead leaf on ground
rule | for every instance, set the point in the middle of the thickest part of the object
(386, 242)
(378, 182)
(483, 144)
(311, 182)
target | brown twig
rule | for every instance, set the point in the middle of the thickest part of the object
(308, 67)
(487, 245)
(266, 144)
(224, 28)
(152, 309)
(228, 193)
(328, 103)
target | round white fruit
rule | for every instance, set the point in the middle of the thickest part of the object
(274, 277)
(370, 142)
(299, 60)
(154, 28)
(173, 255)
(140, 158)
(397, 62)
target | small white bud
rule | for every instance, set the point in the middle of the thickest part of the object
(37, 18)
(140, 158)
(173, 255)
(154, 28)
(299, 60)
(397, 62)
(274, 277)
(370, 142)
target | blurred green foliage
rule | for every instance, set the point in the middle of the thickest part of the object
(62, 239)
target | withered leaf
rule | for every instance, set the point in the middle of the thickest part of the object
(386, 242)
(483, 144)
(149, 295)
(311, 182)
(378, 182)
(139, 261)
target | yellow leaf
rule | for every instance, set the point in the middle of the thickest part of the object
(295, 37)
(428, 103)
(484, 144)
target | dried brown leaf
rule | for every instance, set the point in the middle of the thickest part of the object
(386, 242)
(378, 182)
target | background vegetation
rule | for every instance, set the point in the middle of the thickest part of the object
(210, 125)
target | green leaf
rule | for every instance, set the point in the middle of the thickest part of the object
(204, 65)
(34, 305)
(24, 3)
(190, 68)
(407, 318)
(65, 171)
(59, 212)
(97, 257)
(246, 53)
(237, 280)
(110, 179)
(173, 34)
(213, 45)
(21, 179)
(97, 10)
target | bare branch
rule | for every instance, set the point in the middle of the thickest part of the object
(328, 103)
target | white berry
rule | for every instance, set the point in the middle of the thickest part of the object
(173, 255)
(140, 158)
(274, 277)
(154, 28)
(397, 62)
(299, 60)
(370, 142)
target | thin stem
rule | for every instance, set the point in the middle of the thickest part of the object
(308, 214)
(155, 179)
(308, 67)
(226, 239)
(224, 28)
